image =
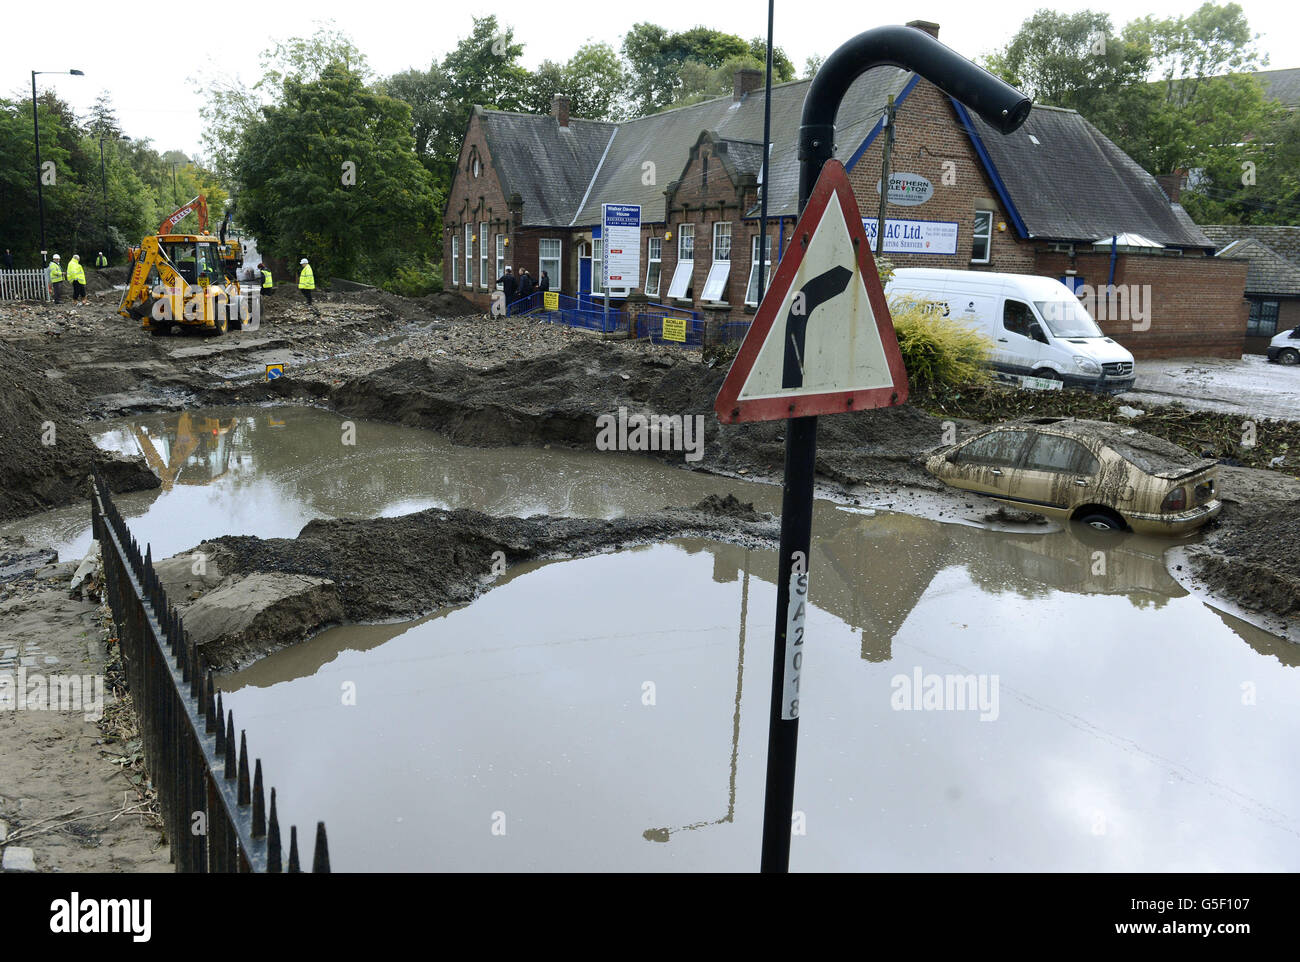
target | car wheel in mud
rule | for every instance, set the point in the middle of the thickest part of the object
(1289, 356)
(1100, 521)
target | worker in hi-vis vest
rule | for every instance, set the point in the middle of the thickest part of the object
(268, 282)
(101, 261)
(56, 279)
(77, 275)
(307, 284)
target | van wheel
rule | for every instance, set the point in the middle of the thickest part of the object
(1289, 356)
(1048, 374)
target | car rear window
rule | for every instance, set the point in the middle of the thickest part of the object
(999, 447)
(1051, 452)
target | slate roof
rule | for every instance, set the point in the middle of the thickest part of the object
(549, 166)
(666, 138)
(1074, 184)
(1269, 272)
(1281, 85)
(1281, 240)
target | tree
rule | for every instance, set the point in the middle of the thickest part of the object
(593, 79)
(656, 58)
(298, 195)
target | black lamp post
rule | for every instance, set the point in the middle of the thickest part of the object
(175, 196)
(36, 126)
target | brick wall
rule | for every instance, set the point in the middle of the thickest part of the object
(928, 135)
(476, 199)
(1196, 303)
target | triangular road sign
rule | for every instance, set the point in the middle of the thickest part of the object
(822, 341)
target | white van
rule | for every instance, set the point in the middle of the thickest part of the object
(1037, 324)
(1285, 347)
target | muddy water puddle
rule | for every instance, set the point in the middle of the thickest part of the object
(267, 471)
(611, 713)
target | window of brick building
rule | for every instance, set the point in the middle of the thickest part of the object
(483, 254)
(469, 255)
(654, 265)
(681, 282)
(548, 259)
(597, 267)
(501, 256)
(982, 237)
(751, 289)
(715, 285)
(455, 260)
(1263, 318)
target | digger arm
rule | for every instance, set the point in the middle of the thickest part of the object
(137, 299)
(198, 205)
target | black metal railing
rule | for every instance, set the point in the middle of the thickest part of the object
(216, 821)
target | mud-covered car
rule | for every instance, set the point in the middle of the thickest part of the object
(1103, 475)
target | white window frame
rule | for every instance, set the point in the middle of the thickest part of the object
(501, 254)
(544, 262)
(455, 258)
(751, 288)
(715, 285)
(469, 255)
(598, 266)
(986, 236)
(654, 255)
(685, 268)
(483, 254)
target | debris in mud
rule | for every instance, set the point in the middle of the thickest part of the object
(45, 451)
(1005, 515)
(728, 507)
(1255, 562)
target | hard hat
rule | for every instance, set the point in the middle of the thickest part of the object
(56, 257)
(303, 261)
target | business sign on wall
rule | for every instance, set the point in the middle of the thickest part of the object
(915, 236)
(620, 231)
(908, 190)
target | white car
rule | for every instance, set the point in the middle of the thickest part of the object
(1285, 347)
(1037, 324)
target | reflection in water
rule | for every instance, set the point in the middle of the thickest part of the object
(529, 702)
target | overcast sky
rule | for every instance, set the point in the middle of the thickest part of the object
(146, 67)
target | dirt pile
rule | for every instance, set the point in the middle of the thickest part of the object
(390, 568)
(45, 451)
(1255, 561)
(556, 399)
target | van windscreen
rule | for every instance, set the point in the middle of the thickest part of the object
(1066, 318)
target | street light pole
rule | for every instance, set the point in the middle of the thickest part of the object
(103, 181)
(36, 127)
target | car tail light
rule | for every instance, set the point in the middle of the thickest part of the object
(1175, 500)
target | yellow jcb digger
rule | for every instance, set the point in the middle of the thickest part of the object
(188, 281)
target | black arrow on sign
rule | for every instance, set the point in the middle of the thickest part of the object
(816, 292)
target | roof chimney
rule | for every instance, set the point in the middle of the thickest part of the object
(560, 109)
(747, 79)
(1172, 184)
(925, 26)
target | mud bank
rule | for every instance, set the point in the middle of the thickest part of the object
(45, 450)
(1254, 561)
(252, 596)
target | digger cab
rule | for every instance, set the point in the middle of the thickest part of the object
(198, 258)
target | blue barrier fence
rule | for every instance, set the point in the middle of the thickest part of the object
(588, 312)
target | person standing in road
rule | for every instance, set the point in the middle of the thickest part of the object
(77, 275)
(100, 261)
(56, 279)
(307, 284)
(268, 282)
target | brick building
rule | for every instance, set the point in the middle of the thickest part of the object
(1045, 200)
(1273, 281)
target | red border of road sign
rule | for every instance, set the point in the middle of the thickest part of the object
(833, 180)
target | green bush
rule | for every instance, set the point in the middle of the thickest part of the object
(415, 280)
(938, 353)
